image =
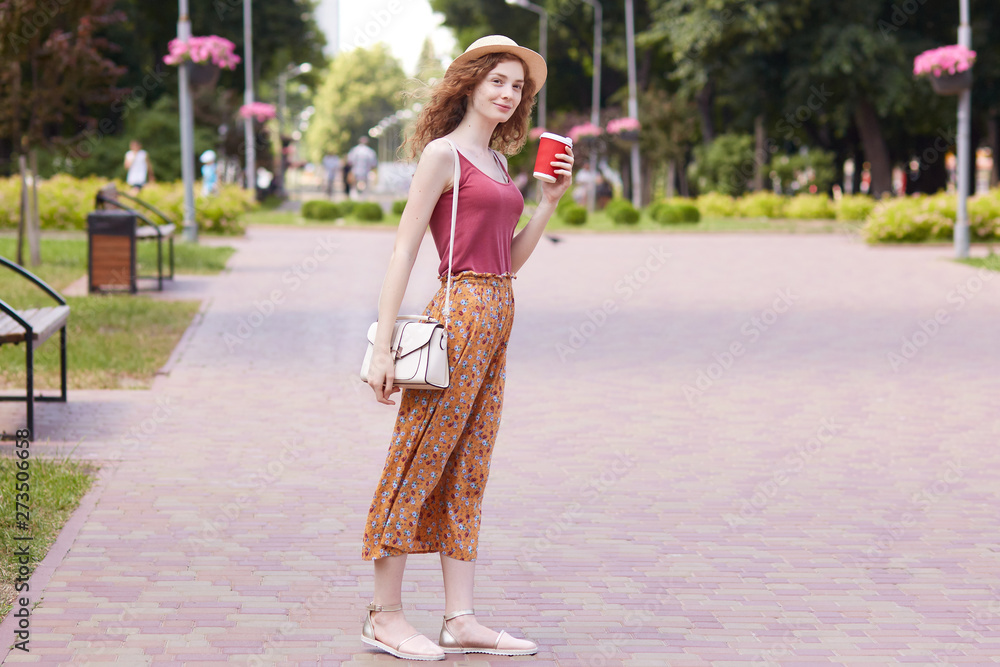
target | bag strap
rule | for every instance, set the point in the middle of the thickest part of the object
(451, 242)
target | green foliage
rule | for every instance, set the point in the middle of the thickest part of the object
(398, 206)
(65, 201)
(622, 212)
(347, 207)
(854, 207)
(725, 165)
(368, 211)
(761, 205)
(904, 220)
(574, 215)
(674, 211)
(321, 209)
(922, 217)
(809, 207)
(814, 167)
(361, 88)
(716, 205)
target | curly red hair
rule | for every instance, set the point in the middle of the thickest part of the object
(449, 100)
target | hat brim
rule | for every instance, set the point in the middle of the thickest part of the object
(537, 69)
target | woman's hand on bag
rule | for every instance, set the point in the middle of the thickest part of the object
(381, 373)
(563, 169)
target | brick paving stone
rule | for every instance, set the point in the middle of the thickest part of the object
(685, 475)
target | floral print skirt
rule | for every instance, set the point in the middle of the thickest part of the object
(431, 491)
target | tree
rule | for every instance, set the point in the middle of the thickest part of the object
(361, 88)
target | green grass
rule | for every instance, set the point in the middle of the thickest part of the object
(293, 219)
(65, 260)
(113, 341)
(596, 222)
(991, 262)
(55, 488)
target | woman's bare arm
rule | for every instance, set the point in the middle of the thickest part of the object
(433, 176)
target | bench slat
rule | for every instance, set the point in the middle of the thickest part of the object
(44, 322)
(148, 232)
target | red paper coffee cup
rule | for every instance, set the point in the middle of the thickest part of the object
(549, 145)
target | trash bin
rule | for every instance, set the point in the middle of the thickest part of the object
(111, 251)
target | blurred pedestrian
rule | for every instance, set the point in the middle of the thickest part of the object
(140, 169)
(363, 160)
(331, 163)
(429, 498)
(209, 174)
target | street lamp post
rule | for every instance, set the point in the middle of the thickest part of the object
(248, 135)
(187, 130)
(291, 72)
(595, 98)
(961, 237)
(633, 105)
(543, 47)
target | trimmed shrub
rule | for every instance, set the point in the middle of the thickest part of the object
(905, 220)
(761, 205)
(320, 209)
(809, 207)
(854, 207)
(347, 207)
(674, 212)
(716, 205)
(725, 165)
(984, 216)
(622, 212)
(574, 215)
(398, 206)
(368, 211)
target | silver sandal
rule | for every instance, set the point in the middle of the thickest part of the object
(368, 636)
(450, 643)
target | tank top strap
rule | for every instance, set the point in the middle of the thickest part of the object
(499, 162)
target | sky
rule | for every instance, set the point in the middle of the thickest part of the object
(401, 24)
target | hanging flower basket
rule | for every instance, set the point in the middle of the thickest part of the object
(949, 68)
(952, 84)
(259, 111)
(585, 133)
(626, 129)
(201, 74)
(214, 50)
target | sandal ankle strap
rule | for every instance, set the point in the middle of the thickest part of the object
(456, 614)
(385, 607)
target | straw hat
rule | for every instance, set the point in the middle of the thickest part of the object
(537, 70)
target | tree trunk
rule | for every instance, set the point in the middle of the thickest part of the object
(23, 218)
(706, 96)
(671, 178)
(682, 178)
(993, 134)
(760, 152)
(34, 223)
(876, 150)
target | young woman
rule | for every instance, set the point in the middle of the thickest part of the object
(431, 490)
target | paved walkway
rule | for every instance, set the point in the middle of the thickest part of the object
(716, 450)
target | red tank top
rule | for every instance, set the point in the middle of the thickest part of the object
(488, 212)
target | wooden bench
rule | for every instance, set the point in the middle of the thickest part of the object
(109, 197)
(34, 326)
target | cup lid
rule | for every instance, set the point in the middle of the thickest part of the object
(557, 137)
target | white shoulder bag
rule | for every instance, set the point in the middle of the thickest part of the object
(419, 344)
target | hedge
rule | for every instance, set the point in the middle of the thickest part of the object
(809, 207)
(65, 201)
(320, 209)
(922, 217)
(622, 212)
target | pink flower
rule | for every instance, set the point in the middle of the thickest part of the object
(620, 125)
(536, 133)
(577, 132)
(947, 59)
(260, 111)
(217, 50)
